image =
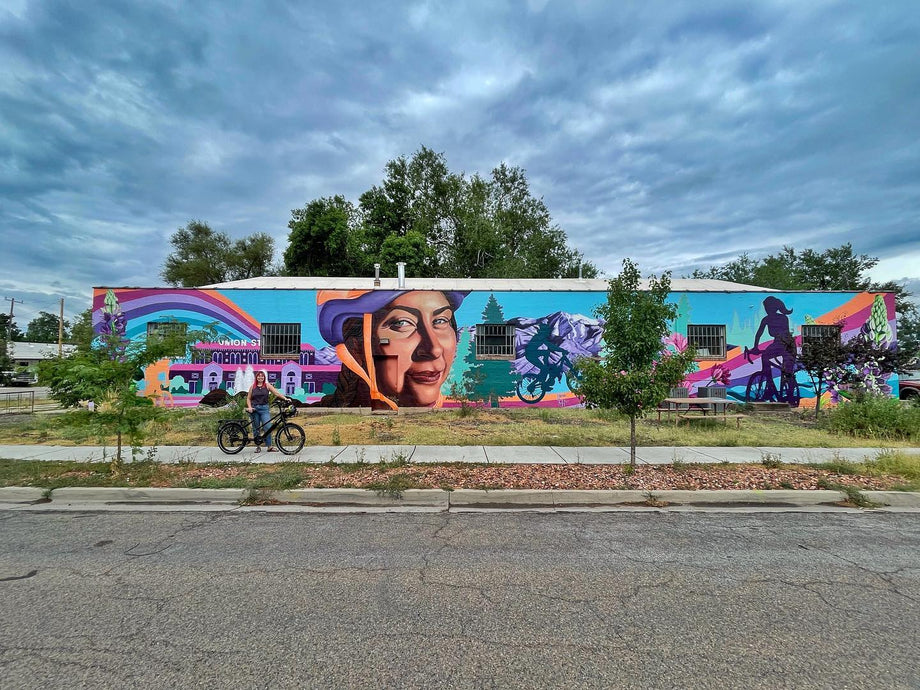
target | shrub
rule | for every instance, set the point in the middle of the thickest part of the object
(876, 417)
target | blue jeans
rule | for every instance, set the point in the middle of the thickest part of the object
(260, 415)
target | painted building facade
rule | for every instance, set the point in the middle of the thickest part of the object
(344, 342)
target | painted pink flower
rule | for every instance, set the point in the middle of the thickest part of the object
(720, 374)
(677, 340)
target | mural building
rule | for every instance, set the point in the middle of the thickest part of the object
(342, 342)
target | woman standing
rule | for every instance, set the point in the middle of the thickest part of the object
(257, 407)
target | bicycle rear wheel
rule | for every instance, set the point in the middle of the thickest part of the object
(530, 390)
(757, 387)
(232, 437)
(290, 438)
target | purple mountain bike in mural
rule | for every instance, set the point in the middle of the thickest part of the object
(762, 386)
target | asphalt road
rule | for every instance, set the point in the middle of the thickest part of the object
(587, 600)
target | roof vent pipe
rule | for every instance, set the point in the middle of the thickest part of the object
(376, 275)
(401, 275)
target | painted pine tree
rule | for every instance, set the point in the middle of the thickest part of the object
(488, 379)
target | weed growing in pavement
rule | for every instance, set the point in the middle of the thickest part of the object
(906, 465)
(286, 475)
(397, 459)
(393, 487)
(771, 460)
(359, 456)
(853, 495)
(839, 465)
(677, 463)
(652, 500)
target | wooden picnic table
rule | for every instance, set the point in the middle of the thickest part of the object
(703, 404)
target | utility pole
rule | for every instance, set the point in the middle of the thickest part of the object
(12, 301)
(61, 331)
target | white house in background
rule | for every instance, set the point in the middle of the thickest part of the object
(30, 354)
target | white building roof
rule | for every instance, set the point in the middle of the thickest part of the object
(471, 284)
(36, 351)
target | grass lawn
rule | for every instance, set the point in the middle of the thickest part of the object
(530, 427)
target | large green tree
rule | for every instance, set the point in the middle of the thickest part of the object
(837, 268)
(324, 240)
(44, 328)
(635, 372)
(440, 223)
(9, 330)
(202, 256)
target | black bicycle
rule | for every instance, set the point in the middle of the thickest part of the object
(233, 434)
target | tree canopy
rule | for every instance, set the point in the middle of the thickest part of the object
(10, 332)
(441, 223)
(44, 328)
(202, 256)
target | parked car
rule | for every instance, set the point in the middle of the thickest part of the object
(24, 378)
(910, 386)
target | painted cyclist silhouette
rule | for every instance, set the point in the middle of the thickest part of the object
(552, 363)
(779, 354)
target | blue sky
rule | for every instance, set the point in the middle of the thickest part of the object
(677, 133)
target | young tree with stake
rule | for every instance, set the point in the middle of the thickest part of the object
(636, 371)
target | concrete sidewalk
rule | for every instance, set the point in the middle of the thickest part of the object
(496, 455)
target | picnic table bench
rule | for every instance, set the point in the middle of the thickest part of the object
(690, 417)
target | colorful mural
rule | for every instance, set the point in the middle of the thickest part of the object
(388, 349)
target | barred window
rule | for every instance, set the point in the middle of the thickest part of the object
(280, 341)
(168, 329)
(708, 339)
(494, 341)
(813, 334)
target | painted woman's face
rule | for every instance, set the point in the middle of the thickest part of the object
(416, 336)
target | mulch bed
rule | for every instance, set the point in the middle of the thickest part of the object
(645, 477)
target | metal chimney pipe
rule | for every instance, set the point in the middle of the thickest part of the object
(401, 275)
(376, 275)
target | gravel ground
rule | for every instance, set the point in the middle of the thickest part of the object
(645, 477)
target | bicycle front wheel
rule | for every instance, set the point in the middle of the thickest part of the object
(232, 438)
(290, 438)
(790, 388)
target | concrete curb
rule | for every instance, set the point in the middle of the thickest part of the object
(439, 500)
(81, 494)
(21, 494)
(431, 498)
